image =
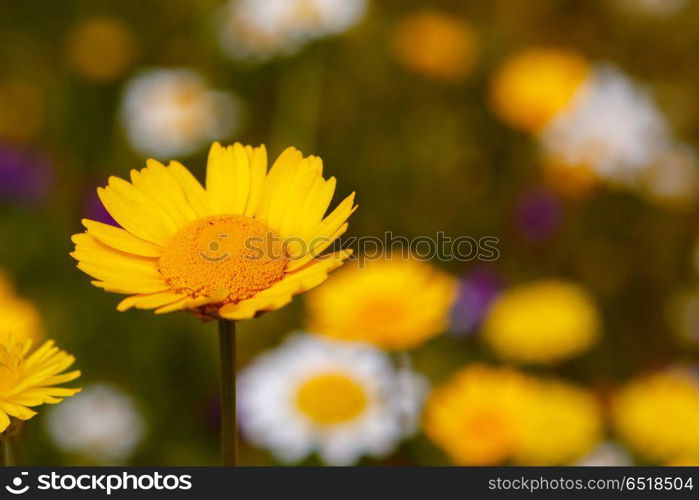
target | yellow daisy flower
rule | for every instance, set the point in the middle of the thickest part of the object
(18, 317)
(392, 303)
(533, 86)
(473, 416)
(488, 416)
(242, 245)
(29, 379)
(657, 416)
(542, 322)
(562, 424)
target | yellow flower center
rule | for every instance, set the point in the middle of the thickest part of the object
(489, 433)
(224, 252)
(331, 399)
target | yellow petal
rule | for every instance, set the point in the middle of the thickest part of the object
(192, 189)
(190, 303)
(4, 421)
(16, 411)
(299, 193)
(136, 213)
(313, 209)
(258, 172)
(121, 239)
(281, 293)
(290, 190)
(227, 179)
(152, 301)
(105, 263)
(277, 181)
(131, 287)
(241, 178)
(247, 309)
(156, 183)
(316, 247)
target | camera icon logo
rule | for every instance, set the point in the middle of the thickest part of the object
(215, 252)
(16, 487)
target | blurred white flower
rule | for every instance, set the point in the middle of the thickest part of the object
(612, 126)
(101, 424)
(673, 178)
(343, 400)
(653, 8)
(607, 454)
(260, 29)
(172, 112)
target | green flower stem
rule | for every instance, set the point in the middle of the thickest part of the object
(229, 434)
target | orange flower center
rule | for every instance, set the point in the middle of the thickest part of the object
(331, 399)
(489, 435)
(225, 252)
(381, 311)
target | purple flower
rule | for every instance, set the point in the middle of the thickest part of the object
(477, 290)
(538, 215)
(26, 175)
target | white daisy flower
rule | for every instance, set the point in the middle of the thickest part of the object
(611, 126)
(606, 454)
(260, 29)
(343, 400)
(172, 112)
(673, 178)
(652, 8)
(101, 424)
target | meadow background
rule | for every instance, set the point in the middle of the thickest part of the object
(423, 154)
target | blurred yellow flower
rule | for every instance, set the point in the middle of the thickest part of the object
(488, 416)
(684, 462)
(542, 322)
(21, 110)
(657, 416)
(29, 379)
(100, 49)
(218, 251)
(435, 44)
(391, 303)
(536, 84)
(562, 424)
(18, 317)
(474, 416)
